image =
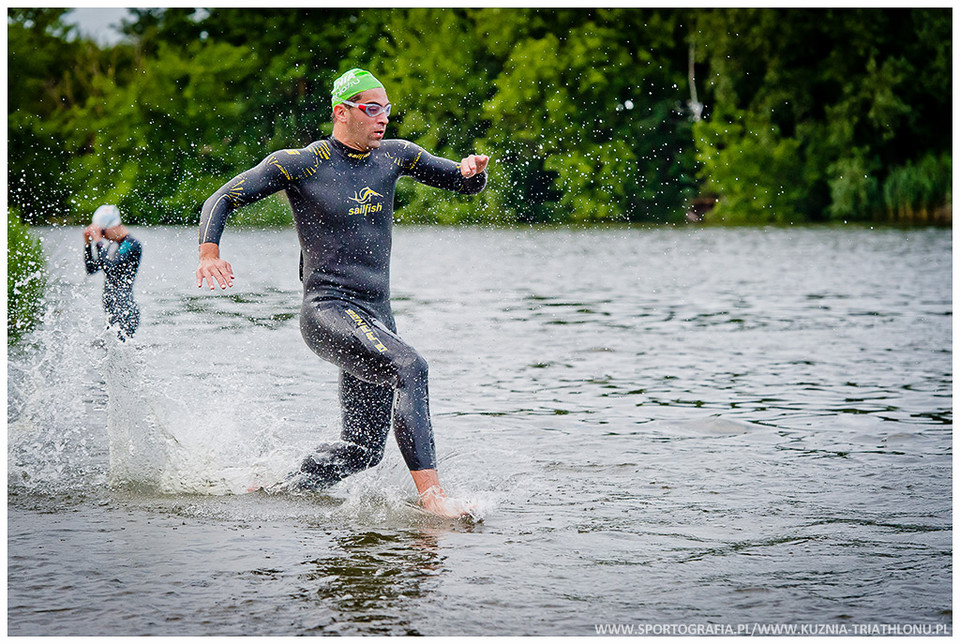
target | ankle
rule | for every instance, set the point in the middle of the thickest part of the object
(431, 493)
(427, 482)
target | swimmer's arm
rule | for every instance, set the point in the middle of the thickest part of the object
(92, 265)
(271, 175)
(90, 236)
(467, 177)
(245, 188)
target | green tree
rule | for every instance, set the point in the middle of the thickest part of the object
(586, 119)
(436, 70)
(844, 92)
(809, 115)
(153, 144)
(39, 58)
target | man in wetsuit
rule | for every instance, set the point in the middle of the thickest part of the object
(108, 246)
(341, 191)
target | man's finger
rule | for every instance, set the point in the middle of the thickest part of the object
(473, 165)
(216, 274)
(226, 273)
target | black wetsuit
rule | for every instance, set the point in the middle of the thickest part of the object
(119, 262)
(342, 202)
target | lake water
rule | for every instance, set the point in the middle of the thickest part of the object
(661, 428)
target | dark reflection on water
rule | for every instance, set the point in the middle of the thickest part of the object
(664, 426)
(374, 574)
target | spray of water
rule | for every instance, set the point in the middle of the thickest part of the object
(86, 410)
(89, 413)
(48, 399)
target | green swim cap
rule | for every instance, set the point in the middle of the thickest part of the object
(351, 84)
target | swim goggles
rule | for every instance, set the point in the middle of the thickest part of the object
(370, 109)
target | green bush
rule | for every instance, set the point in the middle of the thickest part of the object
(914, 191)
(854, 191)
(756, 171)
(26, 280)
(588, 114)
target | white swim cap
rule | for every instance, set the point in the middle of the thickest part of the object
(106, 217)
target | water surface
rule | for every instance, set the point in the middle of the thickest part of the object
(670, 426)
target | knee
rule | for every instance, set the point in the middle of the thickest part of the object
(413, 370)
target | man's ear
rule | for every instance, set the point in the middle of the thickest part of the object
(340, 112)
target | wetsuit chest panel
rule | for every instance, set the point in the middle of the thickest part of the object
(344, 218)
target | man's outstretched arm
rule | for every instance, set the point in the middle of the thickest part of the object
(467, 177)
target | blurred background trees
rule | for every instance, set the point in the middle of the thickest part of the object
(802, 115)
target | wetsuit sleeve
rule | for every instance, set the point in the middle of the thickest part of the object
(272, 174)
(92, 265)
(439, 172)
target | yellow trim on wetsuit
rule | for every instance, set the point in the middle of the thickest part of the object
(366, 330)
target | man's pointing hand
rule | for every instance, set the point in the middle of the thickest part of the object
(473, 164)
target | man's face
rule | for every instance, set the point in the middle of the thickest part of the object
(366, 132)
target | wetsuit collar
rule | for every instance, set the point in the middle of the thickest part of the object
(347, 151)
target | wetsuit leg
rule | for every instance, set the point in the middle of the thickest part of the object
(129, 319)
(365, 348)
(366, 410)
(122, 312)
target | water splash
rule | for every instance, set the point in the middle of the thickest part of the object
(163, 416)
(49, 396)
(86, 410)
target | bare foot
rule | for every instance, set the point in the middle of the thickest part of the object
(436, 502)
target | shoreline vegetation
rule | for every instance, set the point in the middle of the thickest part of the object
(646, 116)
(26, 279)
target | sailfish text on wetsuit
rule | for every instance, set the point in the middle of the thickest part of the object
(363, 197)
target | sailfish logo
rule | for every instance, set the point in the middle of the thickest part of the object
(363, 197)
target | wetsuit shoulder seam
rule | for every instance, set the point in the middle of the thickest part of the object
(300, 163)
(406, 154)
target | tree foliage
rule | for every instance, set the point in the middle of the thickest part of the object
(808, 114)
(813, 110)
